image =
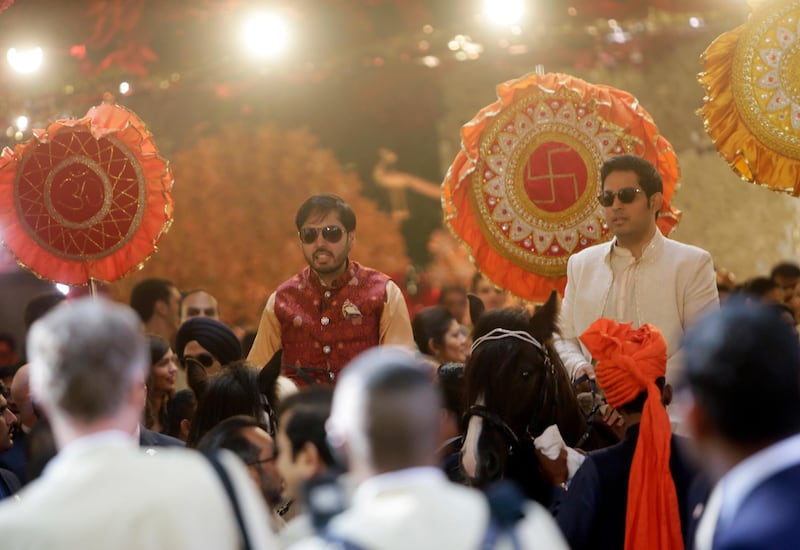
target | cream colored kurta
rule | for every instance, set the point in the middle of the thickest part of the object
(103, 492)
(420, 509)
(672, 285)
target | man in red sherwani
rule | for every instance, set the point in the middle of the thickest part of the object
(333, 309)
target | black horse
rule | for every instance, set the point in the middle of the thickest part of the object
(516, 386)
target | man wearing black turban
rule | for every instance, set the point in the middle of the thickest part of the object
(208, 342)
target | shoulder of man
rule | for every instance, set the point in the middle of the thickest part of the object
(598, 250)
(149, 438)
(590, 256)
(294, 280)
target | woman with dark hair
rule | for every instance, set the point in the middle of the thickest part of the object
(160, 383)
(450, 378)
(235, 390)
(438, 334)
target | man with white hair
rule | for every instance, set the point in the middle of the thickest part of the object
(88, 369)
(384, 422)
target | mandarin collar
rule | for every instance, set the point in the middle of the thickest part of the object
(337, 283)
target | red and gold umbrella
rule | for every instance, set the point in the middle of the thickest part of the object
(752, 104)
(85, 199)
(521, 193)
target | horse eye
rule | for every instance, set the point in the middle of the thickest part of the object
(526, 374)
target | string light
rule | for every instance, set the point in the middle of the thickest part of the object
(504, 12)
(25, 61)
(266, 35)
(22, 123)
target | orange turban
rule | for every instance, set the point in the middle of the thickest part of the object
(628, 363)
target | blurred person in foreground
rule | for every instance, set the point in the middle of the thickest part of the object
(741, 393)
(89, 363)
(385, 425)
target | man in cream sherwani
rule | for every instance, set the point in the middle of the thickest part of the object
(89, 362)
(640, 276)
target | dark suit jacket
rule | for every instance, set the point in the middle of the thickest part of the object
(592, 513)
(9, 484)
(768, 518)
(697, 497)
(14, 458)
(149, 438)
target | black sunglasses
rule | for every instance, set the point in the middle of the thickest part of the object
(331, 233)
(205, 359)
(626, 196)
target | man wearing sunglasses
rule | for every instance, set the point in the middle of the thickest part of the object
(208, 343)
(640, 276)
(333, 309)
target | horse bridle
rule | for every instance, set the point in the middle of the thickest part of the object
(592, 411)
(494, 420)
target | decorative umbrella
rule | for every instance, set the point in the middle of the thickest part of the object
(521, 191)
(85, 200)
(752, 104)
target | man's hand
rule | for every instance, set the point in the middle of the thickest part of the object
(584, 370)
(613, 420)
(554, 471)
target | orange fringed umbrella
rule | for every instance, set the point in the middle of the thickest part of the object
(521, 191)
(85, 199)
(752, 104)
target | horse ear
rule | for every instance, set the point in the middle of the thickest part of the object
(544, 322)
(476, 308)
(269, 373)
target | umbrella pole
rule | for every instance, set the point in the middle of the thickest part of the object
(92, 288)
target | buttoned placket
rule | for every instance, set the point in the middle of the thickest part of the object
(325, 320)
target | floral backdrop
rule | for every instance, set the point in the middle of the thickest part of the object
(236, 195)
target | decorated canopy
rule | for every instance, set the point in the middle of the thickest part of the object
(521, 192)
(752, 103)
(85, 199)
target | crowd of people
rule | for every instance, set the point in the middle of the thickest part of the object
(341, 421)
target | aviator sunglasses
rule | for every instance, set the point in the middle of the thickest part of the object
(331, 233)
(204, 359)
(626, 196)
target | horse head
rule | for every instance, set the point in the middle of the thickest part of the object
(267, 386)
(516, 386)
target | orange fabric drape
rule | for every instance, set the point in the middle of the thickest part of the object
(628, 363)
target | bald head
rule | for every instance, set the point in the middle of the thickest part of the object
(385, 413)
(21, 396)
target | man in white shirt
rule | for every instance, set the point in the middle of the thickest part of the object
(742, 393)
(89, 361)
(384, 423)
(640, 276)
